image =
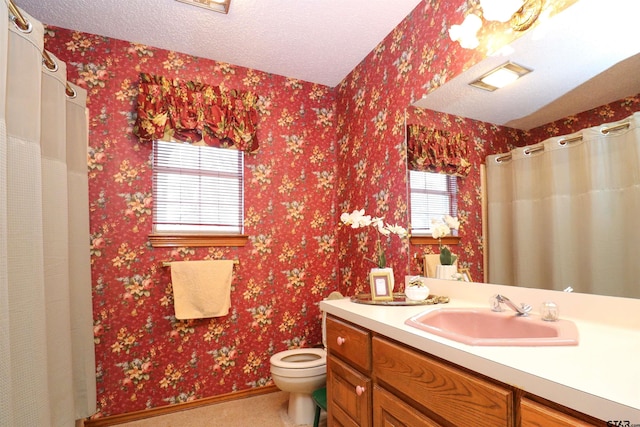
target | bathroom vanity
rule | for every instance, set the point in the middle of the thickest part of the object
(382, 372)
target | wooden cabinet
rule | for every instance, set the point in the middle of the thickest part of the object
(534, 414)
(390, 411)
(349, 392)
(349, 342)
(441, 390)
(375, 381)
(349, 395)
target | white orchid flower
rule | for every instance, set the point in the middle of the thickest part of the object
(397, 229)
(452, 222)
(440, 231)
(379, 224)
(358, 219)
(364, 221)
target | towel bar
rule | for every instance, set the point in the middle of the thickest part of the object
(168, 263)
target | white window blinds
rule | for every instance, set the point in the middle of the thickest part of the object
(197, 189)
(433, 195)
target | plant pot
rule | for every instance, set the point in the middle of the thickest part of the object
(446, 272)
(416, 293)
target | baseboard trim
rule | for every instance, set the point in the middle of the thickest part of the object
(164, 410)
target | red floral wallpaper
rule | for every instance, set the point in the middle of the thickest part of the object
(373, 108)
(145, 357)
(323, 151)
(611, 112)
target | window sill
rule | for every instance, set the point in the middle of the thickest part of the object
(195, 240)
(429, 240)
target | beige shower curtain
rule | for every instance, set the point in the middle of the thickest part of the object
(47, 372)
(567, 215)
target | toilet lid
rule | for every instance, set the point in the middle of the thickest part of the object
(302, 358)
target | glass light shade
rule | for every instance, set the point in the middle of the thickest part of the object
(465, 33)
(500, 10)
(501, 78)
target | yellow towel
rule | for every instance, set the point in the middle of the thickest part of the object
(430, 263)
(201, 289)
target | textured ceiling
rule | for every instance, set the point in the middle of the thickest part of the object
(319, 41)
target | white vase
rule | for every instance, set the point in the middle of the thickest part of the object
(446, 272)
(416, 293)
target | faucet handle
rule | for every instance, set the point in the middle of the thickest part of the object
(496, 300)
(549, 311)
(526, 308)
(494, 303)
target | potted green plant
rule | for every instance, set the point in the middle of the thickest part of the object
(447, 268)
(358, 219)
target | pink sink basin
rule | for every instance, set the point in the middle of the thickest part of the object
(480, 326)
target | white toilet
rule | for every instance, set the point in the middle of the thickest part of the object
(300, 372)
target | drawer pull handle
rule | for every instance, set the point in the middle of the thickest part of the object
(340, 340)
(359, 390)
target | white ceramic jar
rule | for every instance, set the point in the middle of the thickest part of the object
(416, 293)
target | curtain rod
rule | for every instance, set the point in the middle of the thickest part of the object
(564, 141)
(168, 263)
(18, 19)
(624, 125)
(25, 26)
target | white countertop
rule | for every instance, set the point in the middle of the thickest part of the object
(600, 376)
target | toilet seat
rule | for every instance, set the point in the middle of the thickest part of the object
(299, 362)
(300, 372)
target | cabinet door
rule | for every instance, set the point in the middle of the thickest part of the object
(389, 411)
(348, 395)
(443, 390)
(349, 342)
(535, 414)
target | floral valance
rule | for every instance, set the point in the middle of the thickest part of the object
(432, 150)
(193, 111)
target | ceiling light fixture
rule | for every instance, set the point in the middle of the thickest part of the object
(500, 76)
(521, 14)
(500, 10)
(466, 33)
(221, 6)
(527, 15)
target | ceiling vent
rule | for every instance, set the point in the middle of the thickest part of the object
(500, 76)
(221, 6)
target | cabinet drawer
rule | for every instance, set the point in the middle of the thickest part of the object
(446, 391)
(350, 343)
(348, 395)
(389, 411)
(535, 414)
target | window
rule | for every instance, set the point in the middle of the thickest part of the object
(197, 191)
(433, 195)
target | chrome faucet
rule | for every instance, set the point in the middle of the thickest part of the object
(523, 310)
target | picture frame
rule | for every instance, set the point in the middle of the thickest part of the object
(381, 283)
(466, 275)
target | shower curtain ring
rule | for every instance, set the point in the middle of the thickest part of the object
(22, 25)
(18, 20)
(70, 92)
(49, 62)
